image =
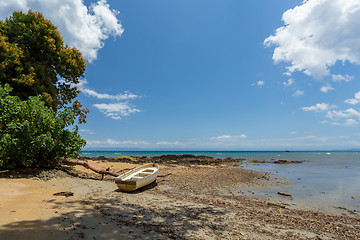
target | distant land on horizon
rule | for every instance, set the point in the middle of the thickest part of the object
(207, 150)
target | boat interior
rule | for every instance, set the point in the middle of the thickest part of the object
(141, 174)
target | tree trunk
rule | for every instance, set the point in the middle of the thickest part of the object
(91, 167)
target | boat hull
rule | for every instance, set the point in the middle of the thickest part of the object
(137, 177)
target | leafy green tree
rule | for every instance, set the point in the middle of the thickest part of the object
(31, 134)
(34, 61)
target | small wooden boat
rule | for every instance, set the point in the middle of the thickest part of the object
(137, 177)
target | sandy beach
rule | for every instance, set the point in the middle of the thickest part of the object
(188, 201)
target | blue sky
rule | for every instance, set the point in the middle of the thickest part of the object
(217, 75)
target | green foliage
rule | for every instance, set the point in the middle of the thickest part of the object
(31, 134)
(34, 61)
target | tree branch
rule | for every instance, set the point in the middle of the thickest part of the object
(91, 167)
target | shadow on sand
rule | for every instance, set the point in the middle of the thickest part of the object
(112, 218)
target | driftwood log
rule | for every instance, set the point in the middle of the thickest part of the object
(92, 167)
(284, 194)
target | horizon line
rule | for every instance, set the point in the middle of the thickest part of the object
(213, 150)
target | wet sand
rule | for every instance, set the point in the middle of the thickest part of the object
(186, 202)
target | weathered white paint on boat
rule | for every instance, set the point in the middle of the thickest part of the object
(137, 177)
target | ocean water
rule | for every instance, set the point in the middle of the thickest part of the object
(324, 181)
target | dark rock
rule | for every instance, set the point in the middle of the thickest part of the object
(286, 162)
(66, 194)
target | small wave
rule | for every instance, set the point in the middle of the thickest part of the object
(328, 153)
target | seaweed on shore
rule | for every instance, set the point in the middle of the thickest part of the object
(184, 159)
(275, 162)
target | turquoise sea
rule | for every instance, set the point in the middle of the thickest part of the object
(324, 181)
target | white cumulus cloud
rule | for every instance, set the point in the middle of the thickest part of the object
(352, 101)
(326, 88)
(85, 27)
(87, 131)
(176, 143)
(289, 82)
(348, 113)
(112, 142)
(344, 117)
(318, 34)
(355, 100)
(114, 110)
(350, 122)
(124, 96)
(258, 83)
(92, 93)
(228, 137)
(339, 78)
(117, 110)
(298, 93)
(126, 142)
(319, 107)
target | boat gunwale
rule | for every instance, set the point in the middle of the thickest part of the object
(119, 179)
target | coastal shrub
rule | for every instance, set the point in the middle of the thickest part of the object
(32, 135)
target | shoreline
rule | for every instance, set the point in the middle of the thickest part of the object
(196, 201)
